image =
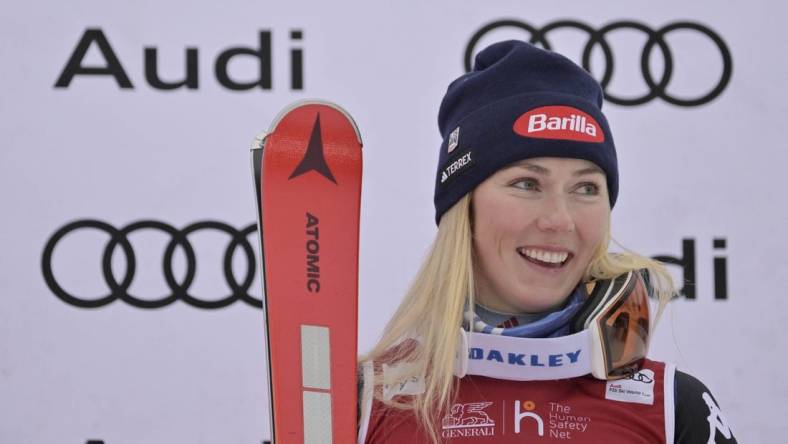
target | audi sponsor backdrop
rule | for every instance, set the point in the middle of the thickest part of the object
(131, 305)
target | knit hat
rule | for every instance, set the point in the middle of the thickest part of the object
(519, 102)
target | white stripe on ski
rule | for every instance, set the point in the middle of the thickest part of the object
(315, 357)
(317, 418)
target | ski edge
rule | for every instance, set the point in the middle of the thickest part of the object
(256, 157)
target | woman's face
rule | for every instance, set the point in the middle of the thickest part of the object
(536, 225)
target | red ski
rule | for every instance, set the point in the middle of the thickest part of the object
(307, 173)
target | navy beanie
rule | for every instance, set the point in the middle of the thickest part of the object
(519, 102)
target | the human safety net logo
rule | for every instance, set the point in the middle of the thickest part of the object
(559, 122)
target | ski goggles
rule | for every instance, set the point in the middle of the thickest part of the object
(616, 316)
(610, 341)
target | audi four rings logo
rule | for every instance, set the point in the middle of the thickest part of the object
(656, 38)
(119, 288)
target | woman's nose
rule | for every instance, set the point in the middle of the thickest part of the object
(555, 216)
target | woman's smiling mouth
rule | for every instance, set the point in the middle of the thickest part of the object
(545, 258)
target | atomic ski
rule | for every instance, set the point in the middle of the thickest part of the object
(307, 174)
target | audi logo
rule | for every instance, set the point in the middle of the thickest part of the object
(656, 38)
(119, 287)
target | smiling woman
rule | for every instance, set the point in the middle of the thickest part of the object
(520, 321)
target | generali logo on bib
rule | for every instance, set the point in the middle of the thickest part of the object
(559, 122)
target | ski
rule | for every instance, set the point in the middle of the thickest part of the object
(307, 176)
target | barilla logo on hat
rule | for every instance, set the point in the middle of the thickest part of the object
(559, 122)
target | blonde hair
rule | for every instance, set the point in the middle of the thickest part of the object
(432, 312)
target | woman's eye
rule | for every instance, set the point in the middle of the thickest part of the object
(588, 188)
(526, 184)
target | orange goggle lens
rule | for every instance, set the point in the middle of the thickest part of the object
(624, 330)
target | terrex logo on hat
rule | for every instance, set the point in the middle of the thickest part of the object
(559, 122)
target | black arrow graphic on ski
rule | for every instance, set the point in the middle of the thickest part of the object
(314, 160)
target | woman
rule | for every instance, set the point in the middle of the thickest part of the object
(554, 328)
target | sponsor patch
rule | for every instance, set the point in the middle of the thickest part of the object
(467, 420)
(404, 385)
(717, 422)
(559, 122)
(454, 139)
(638, 389)
(555, 420)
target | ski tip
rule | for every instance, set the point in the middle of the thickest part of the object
(304, 102)
(259, 140)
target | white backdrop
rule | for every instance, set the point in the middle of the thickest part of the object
(95, 151)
